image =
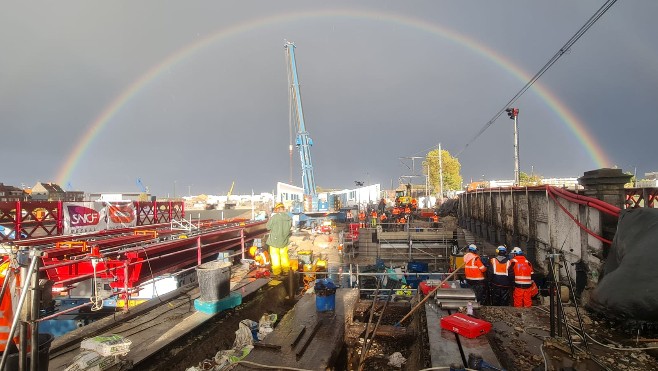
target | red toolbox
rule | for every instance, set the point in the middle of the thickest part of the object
(465, 325)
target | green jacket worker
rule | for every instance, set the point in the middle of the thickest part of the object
(280, 228)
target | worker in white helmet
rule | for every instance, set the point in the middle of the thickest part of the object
(474, 271)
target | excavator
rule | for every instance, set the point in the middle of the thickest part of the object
(403, 198)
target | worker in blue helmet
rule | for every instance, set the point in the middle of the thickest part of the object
(501, 278)
(474, 271)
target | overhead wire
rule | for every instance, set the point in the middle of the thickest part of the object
(564, 49)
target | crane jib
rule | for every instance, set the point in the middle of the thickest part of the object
(303, 141)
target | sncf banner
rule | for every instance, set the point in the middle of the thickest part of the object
(84, 217)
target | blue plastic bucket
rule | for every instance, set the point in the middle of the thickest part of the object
(325, 303)
(325, 295)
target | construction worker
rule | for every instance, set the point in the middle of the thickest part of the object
(522, 279)
(279, 226)
(381, 206)
(395, 212)
(362, 219)
(474, 271)
(435, 220)
(382, 220)
(500, 278)
(373, 218)
(260, 256)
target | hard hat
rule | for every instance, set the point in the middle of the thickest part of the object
(472, 247)
(253, 250)
(517, 251)
(279, 205)
(501, 248)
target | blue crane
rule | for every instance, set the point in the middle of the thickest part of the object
(303, 141)
(141, 186)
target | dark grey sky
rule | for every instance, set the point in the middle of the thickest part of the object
(380, 80)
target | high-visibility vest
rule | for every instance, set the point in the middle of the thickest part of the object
(373, 214)
(474, 269)
(522, 270)
(407, 210)
(362, 216)
(396, 211)
(500, 269)
(6, 308)
(383, 217)
(435, 218)
(263, 258)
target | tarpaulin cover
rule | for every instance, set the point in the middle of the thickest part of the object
(629, 287)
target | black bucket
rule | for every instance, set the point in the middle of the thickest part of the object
(214, 280)
(44, 354)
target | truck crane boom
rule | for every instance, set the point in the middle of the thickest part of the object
(303, 140)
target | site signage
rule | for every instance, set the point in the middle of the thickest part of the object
(85, 217)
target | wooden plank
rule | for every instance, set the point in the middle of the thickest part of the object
(385, 331)
(150, 328)
(304, 343)
(444, 348)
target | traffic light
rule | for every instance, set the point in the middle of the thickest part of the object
(512, 112)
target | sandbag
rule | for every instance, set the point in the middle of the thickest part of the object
(628, 289)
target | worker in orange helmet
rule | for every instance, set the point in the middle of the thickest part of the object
(474, 272)
(260, 256)
(522, 279)
(280, 228)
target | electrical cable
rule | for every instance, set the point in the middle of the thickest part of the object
(564, 49)
(599, 343)
(96, 300)
(541, 350)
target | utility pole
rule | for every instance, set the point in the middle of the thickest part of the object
(513, 113)
(440, 174)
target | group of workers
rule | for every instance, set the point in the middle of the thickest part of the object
(502, 277)
(396, 218)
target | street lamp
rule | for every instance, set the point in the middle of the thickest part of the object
(513, 113)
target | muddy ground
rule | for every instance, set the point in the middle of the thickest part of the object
(218, 333)
(520, 338)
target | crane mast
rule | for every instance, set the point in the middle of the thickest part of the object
(303, 140)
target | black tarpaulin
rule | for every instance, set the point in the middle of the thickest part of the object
(629, 286)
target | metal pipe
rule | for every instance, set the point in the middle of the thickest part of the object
(23, 314)
(34, 315)
(21, 300)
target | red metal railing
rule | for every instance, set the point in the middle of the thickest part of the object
(31, 219)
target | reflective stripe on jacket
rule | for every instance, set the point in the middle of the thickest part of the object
(474, 269)
(522, 271)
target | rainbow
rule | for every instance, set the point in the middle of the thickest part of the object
(572, 122)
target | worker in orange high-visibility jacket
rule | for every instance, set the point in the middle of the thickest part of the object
(501, 278)
(260, 256)
(362, 219)
(474, 271)
(382, 220)
(373, 218)
(522, 279)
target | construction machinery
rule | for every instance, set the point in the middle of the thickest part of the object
(303, 140)
(229, 205)
(144, 191)
(403, 198)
